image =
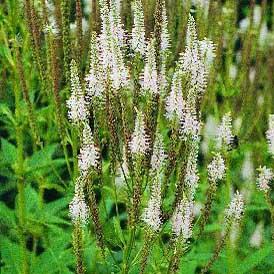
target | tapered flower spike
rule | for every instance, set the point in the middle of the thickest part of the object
(94, 78)
(182, 219)
(111, 53)
(224, 132)
(190, 125)
(192, 175)
(139, 143)
(138, 40)
(270, 134)
(216, 169)
(191, 63)
(159, 155)
(165, 43)
(265, 177)
(207, 51)
(89, 154)
(152, 214)
(78, 210)
(236, 208)
(116, 25)
(175, 104)
(77, 105)
(149, 77)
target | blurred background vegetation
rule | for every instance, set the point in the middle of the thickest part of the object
(32, 71)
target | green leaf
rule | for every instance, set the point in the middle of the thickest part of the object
(7, 216)
(254, 259)
(11, 257)
(8, 152)
(118, 230)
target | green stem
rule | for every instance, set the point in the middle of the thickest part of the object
(126, 265)
(20, 182)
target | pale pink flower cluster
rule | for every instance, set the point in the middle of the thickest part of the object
(236, 208)
(152, 214)
(182, 219)
(174, 102)
(270, 134)
(224, 132)
(265, 177)
(216, 169)
(158, 157)
(150, 77)
(78, 210)
(77, 105)
(139, 143)
(89, 154)
(138, 40)
(190, 125)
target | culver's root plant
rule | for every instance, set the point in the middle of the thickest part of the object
(130, 130)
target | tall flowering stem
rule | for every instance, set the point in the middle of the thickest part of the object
(65, 12)
(264, 180)
(233, 215)
(216, 172)
(20, 182)
(57, 101)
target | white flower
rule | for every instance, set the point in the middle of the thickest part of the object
(182, 219)
(116, 25)
(138, 40)
(270, 134)
(236, 208)
(191, 62)
(152, 214)
(89, 154)
(78, 210)
(224, 133)
(77, 105)
(94, 78)
(139, 143)
(164, 30)
(174, 102)
(111, 43)
(192, 176)
(190, 125)
(216, 169)
(158, 156)
(207, 51)
(149, 78)
(265, 177)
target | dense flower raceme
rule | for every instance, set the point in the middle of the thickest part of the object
(235, 210)
(224, 132)
(95, 77)
(150, 76)
(89, 153)
(182, 219)
(138, 40)
(265, 177)
(216, 169)
(77, 104)
(175, 104)
(159, 155)
(270, 134)
(139, 143)
(111, 45)
(152, 214)
(192, 175)
(78, 210)
(192, 63)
